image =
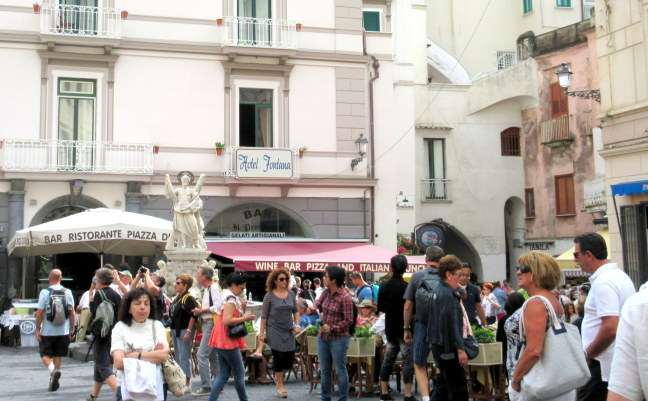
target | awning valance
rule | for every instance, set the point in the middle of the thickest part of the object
(630, 188)
(566, 259)
(571, 273)
(308, 256)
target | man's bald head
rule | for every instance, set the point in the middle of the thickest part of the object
(55, 276)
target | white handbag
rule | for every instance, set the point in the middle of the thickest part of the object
(140, 380)
(562, 366)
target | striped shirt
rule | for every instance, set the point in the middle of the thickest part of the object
(337, 312)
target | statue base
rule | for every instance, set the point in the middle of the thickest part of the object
(183, 261)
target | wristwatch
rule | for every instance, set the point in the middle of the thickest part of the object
(407, 328)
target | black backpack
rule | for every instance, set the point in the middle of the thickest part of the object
(424, 294)
(57, 310)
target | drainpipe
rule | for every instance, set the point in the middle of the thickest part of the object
(372, 172)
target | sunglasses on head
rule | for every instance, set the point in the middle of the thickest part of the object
(282, 279)
(524, 269)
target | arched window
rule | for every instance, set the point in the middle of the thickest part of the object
(510, 139)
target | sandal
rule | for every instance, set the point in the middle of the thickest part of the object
(256, 357)
(282, 394)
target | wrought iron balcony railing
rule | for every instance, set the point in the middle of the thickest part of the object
(594, 192)
(94, 157)
(435, 189)
(71, 20)
(259, 32)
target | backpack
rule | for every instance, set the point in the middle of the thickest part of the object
(58, 310)
(104, 319)
(374, 292)
(423, 295)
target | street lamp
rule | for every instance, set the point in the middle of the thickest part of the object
(361, 145)
(564, 79)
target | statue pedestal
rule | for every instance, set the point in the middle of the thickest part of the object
(183, 261)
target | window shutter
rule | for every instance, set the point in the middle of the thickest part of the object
(371, 21)
(565, 200)
(558, 101)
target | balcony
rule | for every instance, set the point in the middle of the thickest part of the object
(259, 33)
(594, 194)
(555, 132)
(65, 20)
(435, 190)
(51, 155)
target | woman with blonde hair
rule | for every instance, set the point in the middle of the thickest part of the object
(279, 324)
(539, 274)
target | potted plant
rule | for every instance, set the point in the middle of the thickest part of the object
(301, 151)
(362, 343)
(298, 27)
(219, 148)
(124, 14)
(404, 244)
(311, 338)
(490, 352)
(37, 8)
(219, 21)
(156, 149)
(250, 338)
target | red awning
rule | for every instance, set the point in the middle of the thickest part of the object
(309, 256)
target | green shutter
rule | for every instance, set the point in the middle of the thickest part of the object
(527, 5)
(371, 21)
(563, 3)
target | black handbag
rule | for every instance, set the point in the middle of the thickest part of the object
(471, 347)
(237, 331)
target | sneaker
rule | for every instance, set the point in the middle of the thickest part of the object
(202, 391)
(386, 397)
(410, 398)
(187, 390)
(54, 380)
(92, 398)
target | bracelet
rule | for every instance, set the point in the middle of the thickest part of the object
(515, 381)
(139, 356)
(407, 328)
(188, 331)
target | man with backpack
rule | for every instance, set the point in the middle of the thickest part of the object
(55, 322)
(103, 306)
(362, 289)
(417, 296)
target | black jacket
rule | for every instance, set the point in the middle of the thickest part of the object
(445, 321)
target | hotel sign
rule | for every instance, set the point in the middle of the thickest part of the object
(264, 163)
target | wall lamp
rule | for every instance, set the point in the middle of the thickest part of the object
(564, 78)
(361, 145)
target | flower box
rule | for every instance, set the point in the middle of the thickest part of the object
(362, 347)
(489, 354)
(250, 341)
(311, 343)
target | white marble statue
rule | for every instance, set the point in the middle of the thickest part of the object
(187, 224)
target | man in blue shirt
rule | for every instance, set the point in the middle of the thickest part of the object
(501, 299)
(362, 289)
(54, 339)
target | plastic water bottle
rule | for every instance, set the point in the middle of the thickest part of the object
(250, 296)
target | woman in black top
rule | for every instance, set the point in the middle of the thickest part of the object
(182, 323)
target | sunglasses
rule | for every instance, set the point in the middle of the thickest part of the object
(282, 279)
(576, 253)
(524, 269)
(179, 282)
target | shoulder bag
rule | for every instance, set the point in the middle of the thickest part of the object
(139, 381)
(174, 377)
(238, 330)
(562, 366)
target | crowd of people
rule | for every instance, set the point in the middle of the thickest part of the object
(432, 314)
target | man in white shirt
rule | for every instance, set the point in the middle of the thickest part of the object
(629, 373)
(318, 287)
(211, 300)
(610, 289)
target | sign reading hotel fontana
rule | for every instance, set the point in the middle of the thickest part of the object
(264, 163)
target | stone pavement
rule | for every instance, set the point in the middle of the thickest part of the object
(24, 378)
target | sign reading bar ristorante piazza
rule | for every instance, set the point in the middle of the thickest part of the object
(264, 163)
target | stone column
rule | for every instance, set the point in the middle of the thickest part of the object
(16, 222)
(133, 205)
(183, 260)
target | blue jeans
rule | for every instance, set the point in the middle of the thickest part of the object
(182, 351)
(207, 356)
(333, 351)
(229, 361)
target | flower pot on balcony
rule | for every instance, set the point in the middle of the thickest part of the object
(301, 154)
(37, 8)
(156, 149)
(124, 14)
(219, 21)
(298, 27)
(219, 152)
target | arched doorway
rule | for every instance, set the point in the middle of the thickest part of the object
(514, 228)
(77, 268)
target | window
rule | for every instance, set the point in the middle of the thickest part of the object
(251, 30)
(510, 139)
(255, 117)
(436, 182)
(529, 202)
(558, 101)
(371, 21)
(633, 238)
(565, 203)
(76, 17)
(505, 59)
(527, 6)
(563, 3)
(76, 122)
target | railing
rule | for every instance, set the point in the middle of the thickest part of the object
(588, 11)
(259, 32)
(63, 19)
(435, 189)
(594, 192)
(51, 155)
(555, 130)
(505, 59)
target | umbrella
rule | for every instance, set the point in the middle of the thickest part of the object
(93, 231)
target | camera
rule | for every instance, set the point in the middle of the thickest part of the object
(142, 270)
